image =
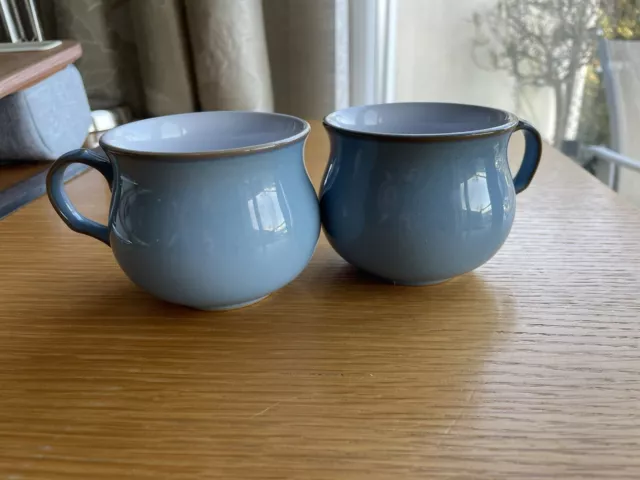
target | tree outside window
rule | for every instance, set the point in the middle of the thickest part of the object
(553, 44)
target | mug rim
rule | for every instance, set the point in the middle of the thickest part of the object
(104, 140)
(509, 125)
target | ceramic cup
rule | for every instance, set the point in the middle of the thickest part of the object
(418, 193)
(212, 210)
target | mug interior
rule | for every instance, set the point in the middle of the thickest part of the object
(205, 133)
(421, 119)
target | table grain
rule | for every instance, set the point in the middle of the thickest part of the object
(528, 368)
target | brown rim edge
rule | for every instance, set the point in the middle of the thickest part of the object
(418, 138)
(506, 127)
(230, 152)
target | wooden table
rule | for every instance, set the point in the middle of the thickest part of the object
(528, 368)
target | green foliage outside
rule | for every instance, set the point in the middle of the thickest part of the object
(619, 19)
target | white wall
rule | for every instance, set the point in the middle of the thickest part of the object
(434, 62)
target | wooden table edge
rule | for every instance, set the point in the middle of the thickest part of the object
(25, 77)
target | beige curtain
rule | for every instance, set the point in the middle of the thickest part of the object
(161, 57)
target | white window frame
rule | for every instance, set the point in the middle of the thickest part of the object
(366, 52)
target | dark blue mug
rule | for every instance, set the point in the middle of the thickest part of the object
(418, 193)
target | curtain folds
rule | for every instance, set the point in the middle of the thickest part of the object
(172, 56)
(230, 54)
(164, 57)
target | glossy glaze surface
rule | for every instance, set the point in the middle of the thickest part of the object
(208, 232)
(215, 234)
(419, 212)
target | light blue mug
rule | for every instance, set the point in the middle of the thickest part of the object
(418, 193)
(212, 210)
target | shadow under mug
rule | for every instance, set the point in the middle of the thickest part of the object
(418, 193)
(213, 210)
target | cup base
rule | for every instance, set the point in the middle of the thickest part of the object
(233, 307)
(419, 284)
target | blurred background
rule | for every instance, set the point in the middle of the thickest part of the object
(571, 67)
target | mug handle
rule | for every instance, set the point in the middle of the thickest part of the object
(61, 202)
(532, 154)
